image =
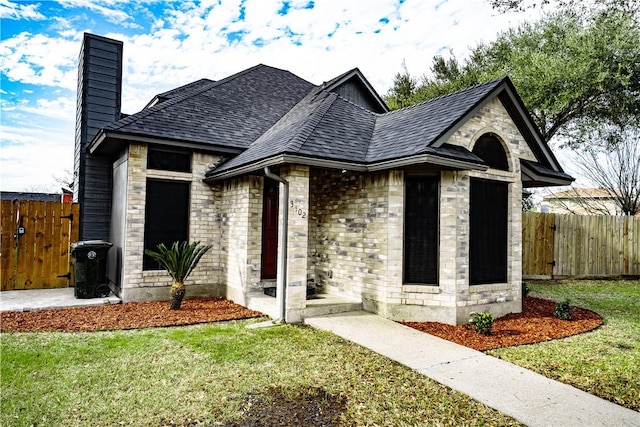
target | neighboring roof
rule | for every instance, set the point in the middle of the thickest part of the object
(587, 193)
(40, 197)
(223, 116)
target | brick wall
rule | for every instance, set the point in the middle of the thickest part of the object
(240, 209)
(139, 285)
(356, 235)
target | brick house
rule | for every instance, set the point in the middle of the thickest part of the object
(413, 214)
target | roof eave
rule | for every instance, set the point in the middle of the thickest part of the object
(117, 140)
(352, 166)
(532, 179)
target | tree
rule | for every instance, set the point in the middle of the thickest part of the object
(585, 6)
(614, 169)
(179, 261)
(404, 86)
(65, 179)
(571, 71)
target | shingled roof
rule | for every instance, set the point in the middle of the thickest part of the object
(337, 130)
(193, 86)
(265, 116)
(222, 116)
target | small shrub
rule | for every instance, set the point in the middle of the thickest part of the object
(563, 310)
(482, 321)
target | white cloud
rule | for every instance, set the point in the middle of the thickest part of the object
(112, 15)
(30, 156)
(40, 60)
(187, 41)
(16, 11)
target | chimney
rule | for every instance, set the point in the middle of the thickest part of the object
(97, 105)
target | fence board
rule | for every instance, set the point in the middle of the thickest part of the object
(38, 257)
(7, 246)
(583, 245)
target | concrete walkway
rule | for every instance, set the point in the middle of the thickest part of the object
(41, 299)
(522, 394)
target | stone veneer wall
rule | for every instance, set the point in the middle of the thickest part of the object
(297, 239)
(240, 207)
(139, 285)
(356, 235)
(454, 299)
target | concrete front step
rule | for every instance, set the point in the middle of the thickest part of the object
(320, 305)
(324, 305)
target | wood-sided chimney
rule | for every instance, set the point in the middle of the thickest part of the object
(97, 105)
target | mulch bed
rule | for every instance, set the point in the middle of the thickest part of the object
(131, 315)
(536, 323)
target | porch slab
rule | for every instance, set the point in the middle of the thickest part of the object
(319, 305)
(325, 304)
(45, 299)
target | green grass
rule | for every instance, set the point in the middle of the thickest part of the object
(204, 374)
(604, 362)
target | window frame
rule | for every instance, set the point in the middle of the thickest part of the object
(408, 276)
(482, 241)
(154, 154)
(153, 223)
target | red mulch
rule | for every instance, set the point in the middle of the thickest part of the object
(536, 323)
(131, 315)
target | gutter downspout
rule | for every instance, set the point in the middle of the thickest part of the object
(281, 284)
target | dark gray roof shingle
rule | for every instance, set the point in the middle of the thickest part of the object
(412, 130)
(326, 126)
(232, 112)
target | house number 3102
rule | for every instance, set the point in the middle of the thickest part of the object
(298, 210)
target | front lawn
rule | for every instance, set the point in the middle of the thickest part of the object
(604, 362)
(218, 374)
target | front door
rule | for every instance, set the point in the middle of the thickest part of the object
(270, 229)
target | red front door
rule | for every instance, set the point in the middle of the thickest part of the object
(270, 229)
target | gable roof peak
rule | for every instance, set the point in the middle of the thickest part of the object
(355, 75)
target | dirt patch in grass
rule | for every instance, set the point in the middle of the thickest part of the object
(535, 324)
(277, 407)
(131, 315)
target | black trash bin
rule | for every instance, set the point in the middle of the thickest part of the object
(90, 268)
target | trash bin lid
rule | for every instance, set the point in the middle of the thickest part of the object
(89, 244)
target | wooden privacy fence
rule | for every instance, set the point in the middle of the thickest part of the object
(555, 245)
(35, 247)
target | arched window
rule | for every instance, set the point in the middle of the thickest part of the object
(489, 149)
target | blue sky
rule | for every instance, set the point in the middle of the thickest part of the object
(171, 43)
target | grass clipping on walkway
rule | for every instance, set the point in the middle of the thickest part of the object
(218, 374)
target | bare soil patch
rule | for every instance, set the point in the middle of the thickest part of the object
(131, 315)
(302, 408)
(535, 324)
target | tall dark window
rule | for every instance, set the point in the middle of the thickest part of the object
(166, 218)
(421, 230)
(489, 148)
(488, 234)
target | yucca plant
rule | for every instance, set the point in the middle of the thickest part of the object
(179, 261)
